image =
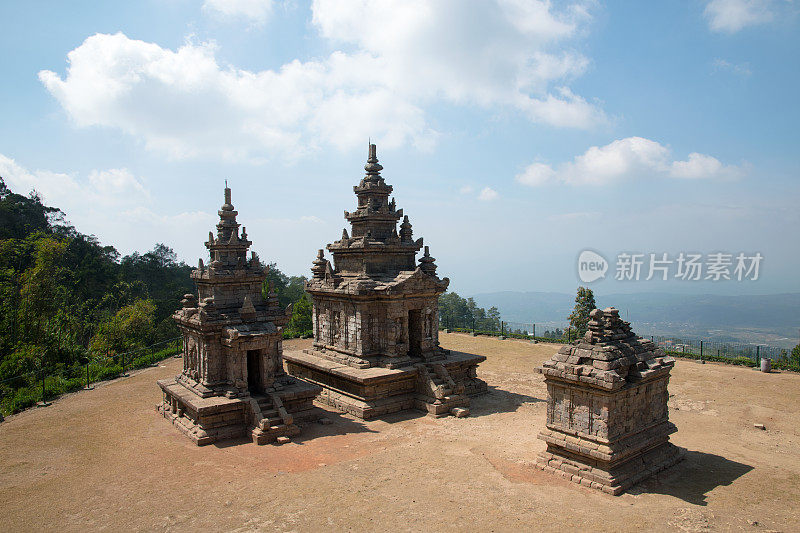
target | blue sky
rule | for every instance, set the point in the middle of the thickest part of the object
(516, 133)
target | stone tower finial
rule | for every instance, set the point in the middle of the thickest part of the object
(227, 206)
(426, 262)
(405, 230)
(320, 264)
(372, 167)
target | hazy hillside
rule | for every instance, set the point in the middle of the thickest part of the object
(773, 318)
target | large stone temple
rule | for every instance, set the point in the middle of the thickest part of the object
(233, 383)
(376, 327)
(607, 417)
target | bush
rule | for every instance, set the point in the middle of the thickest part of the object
(73, 378)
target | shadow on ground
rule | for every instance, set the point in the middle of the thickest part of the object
(693, 478)
(336, 424)
(497, 400)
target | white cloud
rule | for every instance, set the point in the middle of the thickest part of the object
(488, 194)
(401, 57)
(730, 16)
(466, 189)
(256, 11)
(536, 174)
(700, 166)
(117, 182)
(626, 159)
(183, 103)
(502, 53)
(112, 204)
(114, 187)
(740, 69)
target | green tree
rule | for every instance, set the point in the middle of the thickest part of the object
(301, 321)
(795, 358)
(584, 303)
(130, 328)
(289, 289)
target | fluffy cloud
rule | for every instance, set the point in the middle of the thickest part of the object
(401, 57)
(626, 159)
(109, 203)
(730, 16)
(183, 103)
(502, 53)
(488, 194)
(256, 11)
(115, 187)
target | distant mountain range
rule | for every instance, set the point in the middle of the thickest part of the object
(770, 319)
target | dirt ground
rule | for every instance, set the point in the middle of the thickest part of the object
(104, 460)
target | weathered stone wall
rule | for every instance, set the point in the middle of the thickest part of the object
(607, 415)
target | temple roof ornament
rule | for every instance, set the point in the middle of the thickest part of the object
(426, 263)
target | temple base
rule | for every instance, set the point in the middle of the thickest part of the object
(439, 388)
(611, 479)
(263, 417)
(580, 419)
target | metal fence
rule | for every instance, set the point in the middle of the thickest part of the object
(544, 331)
(41, 385)
(562, 332)
(729, 350)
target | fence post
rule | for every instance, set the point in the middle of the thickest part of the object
(473, 325)
(758, 355)
(534, 332)
(44, 390)
(569, 334)
(701, 351)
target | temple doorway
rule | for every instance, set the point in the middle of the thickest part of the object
(254, 381)
(415, 333)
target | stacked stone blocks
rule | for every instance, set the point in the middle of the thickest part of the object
(607, 417)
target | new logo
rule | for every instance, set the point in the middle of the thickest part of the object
(591, 266)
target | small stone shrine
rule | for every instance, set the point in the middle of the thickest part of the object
(607, 416)
(233, 383)
(376, 326)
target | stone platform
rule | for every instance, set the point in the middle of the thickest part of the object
(261, 416)
(372, 392)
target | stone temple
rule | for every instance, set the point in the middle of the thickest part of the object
(607, 416)
(376, 327)
(233, 383)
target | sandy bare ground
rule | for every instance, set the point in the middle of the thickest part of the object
(103, 459)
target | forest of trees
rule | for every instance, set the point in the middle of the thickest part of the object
(66, 299)
(457, 312)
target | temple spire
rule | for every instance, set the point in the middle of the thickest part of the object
(372, 167)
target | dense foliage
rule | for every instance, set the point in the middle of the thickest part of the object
(65, 298)
(457, 312)
(291, 290)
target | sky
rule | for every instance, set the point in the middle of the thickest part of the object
(517, 133)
